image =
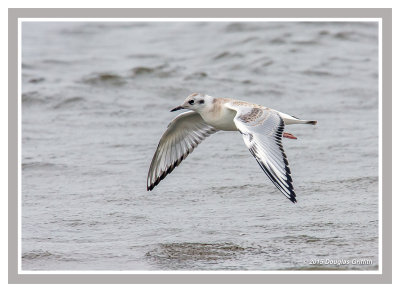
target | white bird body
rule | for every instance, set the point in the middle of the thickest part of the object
(261, 128)
(220, 116)
(222, 113)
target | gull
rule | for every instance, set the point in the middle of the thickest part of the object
(261, 129)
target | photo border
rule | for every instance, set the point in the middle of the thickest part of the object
(385, 14)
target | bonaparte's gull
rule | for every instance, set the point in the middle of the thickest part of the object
(261, 129)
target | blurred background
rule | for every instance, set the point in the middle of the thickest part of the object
(95, 101)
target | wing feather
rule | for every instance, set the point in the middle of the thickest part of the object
(183, 134)
(262, 131)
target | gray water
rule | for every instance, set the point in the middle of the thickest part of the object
(95, 101)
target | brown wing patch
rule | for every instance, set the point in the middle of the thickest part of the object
(251, 116)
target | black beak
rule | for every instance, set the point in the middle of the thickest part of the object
(177, 108)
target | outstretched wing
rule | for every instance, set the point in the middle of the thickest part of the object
(183, 134)
(262, 130)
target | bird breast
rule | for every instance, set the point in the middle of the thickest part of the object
(221, 119)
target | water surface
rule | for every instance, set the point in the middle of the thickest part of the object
(95, 101)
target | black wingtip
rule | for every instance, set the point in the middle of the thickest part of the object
(292, 195)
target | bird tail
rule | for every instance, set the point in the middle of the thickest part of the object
(289, 120)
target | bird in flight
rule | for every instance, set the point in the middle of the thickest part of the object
(261, 129)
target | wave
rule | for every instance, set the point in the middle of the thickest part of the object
(227, 55)
(41, 166)
(33, 98)
(161, 71)
(37, 254)
(194, 251)
(104, 79)
(36, 80)
(69, 102)
(318, 73)
(196, 76)
(45, 255)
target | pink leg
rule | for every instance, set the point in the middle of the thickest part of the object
(288, 135)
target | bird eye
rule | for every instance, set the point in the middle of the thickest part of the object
(201, 101)
(191, 101)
